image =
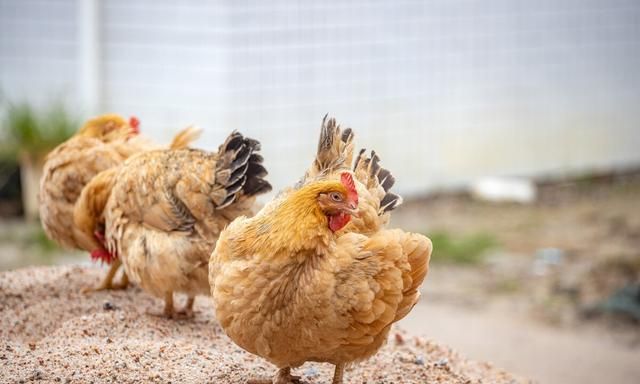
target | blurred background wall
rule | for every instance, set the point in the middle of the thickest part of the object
(446, 91)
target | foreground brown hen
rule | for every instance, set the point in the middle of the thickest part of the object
(301, 281)
(167, 207)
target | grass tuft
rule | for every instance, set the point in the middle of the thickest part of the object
(465, 249)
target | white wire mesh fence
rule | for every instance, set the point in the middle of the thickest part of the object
(446, 91)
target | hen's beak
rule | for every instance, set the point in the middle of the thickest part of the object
(352, 209)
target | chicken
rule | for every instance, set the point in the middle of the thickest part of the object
(101, 143)
(88, 214)
(88, 228)
(167, 207)
(303, 281)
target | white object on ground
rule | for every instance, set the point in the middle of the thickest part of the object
(500, 189)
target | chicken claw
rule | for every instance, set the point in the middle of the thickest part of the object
(187, 311)
(282, 377)
(107, 283)
(170, 312)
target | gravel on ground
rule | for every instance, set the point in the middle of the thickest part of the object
(51, 332)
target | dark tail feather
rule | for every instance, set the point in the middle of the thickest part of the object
(389, 202)
(335, 148)
(360, 156)
(347, 135)
(386, 179)
(369, 169)
(239, 170)
(256, 183)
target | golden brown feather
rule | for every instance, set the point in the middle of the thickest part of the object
(291, 287)
(167, 208)
(101, 144)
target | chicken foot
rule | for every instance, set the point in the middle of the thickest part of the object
(169, 310)
(187, 311)
(107, 283)
(283, 376)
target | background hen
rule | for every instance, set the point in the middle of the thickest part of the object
(167, 208)
(101, 143)
(88, 214)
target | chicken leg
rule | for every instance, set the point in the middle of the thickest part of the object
(107, 283)
(169, 310)
(283, 376)
(338, 374)
(187, 311)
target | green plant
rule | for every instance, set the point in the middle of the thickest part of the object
(28, 236)
(466, 249)
(40, 240)
(37, 132)
(506, 285)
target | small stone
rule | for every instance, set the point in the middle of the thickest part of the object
(107, 306)
(37, 375)
(442, 362)
(399, 339)
(311, 372)
(419, 360)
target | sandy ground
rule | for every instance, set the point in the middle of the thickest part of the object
(51, 332)
(502, 310)
(549, 355)
(525, 319)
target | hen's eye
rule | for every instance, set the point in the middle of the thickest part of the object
(335, 196)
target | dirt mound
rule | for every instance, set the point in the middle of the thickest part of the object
(51, 332)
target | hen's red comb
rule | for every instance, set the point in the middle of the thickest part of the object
(135, 124)
(347, 181)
